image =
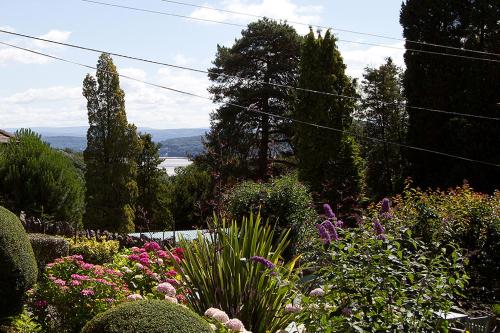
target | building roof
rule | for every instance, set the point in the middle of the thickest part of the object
(5, 136)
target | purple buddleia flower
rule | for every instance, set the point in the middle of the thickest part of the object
(332, 231)
(328, 211)
(339, 224)
(323, 233)
(263, 261)
(378, 229)
(386, 206)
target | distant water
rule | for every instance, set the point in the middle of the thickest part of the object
(170, 163)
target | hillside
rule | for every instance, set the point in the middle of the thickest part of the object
(181, 147)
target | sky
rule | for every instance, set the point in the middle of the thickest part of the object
(41, 92)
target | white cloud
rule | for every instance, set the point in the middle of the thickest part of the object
(11, 55)
(279, 9)
(44, 95)
(357, 59)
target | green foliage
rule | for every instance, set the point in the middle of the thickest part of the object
(243, 143)
(152, 209)
(147, 317)
(47, 248)
(220, 273)
(452, 84)
(94, 251)
(467, 218)
(111, 154)
(17, 262)
(73, 292)
(39, 180)
(328, 161)
(384, 118)
(382, 284)
(284, 201)
(24, 323)
(190, 192)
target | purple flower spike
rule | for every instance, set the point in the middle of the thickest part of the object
(328, 211)
(263, 261)
(378, 228)
(339, 224)
(323, 233)
(386, 206)
(332, 231)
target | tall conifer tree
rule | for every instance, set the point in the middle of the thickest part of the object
(111, 154)
(453, 84)
(328, 160)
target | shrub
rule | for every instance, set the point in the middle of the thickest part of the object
(284, 201)
(73, 292)
(94, 251)
(147, 316)
(47, 248)
(39, 180)
(467, 218)
(17, 264)
(378, 282)
(237, 269)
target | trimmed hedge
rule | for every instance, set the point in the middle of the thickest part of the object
(153, 316)
(47, 248)
(17, 264)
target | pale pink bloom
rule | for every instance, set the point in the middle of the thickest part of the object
(167, 289)
(210, 312)
(139, 266)
(235, 325)
(134, 297)
(221, 316)
(317, 292)
(290, 308)
(60, 282)
(171, 299)
(75, 283)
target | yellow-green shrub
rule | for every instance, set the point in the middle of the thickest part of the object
(93, 251)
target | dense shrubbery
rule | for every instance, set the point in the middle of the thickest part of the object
(147, 316)
(284, 201)
(238, 270)
(467, 218)
(94, 251)
(39, 180)
(377, 282)
(47, 248)
(18, 270)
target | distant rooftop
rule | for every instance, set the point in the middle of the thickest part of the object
(5, 136)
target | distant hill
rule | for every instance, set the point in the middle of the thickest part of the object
(182, 147)
(81, 131)
(61, 142)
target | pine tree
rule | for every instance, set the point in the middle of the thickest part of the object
(328, 161)
(111, 154)
(453, 84)
(243, 143)
(384, 117)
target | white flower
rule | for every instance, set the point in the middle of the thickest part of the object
(139, 266)
(126, 269)
(235, 325)
(317, 292)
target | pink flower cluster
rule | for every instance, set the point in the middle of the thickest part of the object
(234, 325)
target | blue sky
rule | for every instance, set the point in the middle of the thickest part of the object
(35, 91)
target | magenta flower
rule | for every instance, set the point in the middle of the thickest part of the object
(152, 246)
(87, 292)
(75, 283)
(60, 282)
(41, 304)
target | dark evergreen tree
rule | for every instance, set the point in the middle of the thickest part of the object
(242, 143)
(383, 116)
(153, 211)
(111, 154)
(328, 160)
(453, 84)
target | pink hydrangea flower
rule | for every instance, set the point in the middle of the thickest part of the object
(171, 299)
(152, 246)
(134, 297)
(221, 316)
(75, 283)
(318, 292)
(290, 308)
(166, 288)
(210, 312)
(235, 325)
(87, 292)
(60, 282)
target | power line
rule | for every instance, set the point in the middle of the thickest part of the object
(244, 26)
(331, 28)
(247, 79)
(253, 110)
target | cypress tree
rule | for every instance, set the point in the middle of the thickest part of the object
(328, 160)
(111, 154)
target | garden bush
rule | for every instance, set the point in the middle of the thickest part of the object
(374, 281)
(94, 251)
(467, 218)
(47, 248)
(18, 270)
(284, 201)
(238, 269)
(153, 316)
